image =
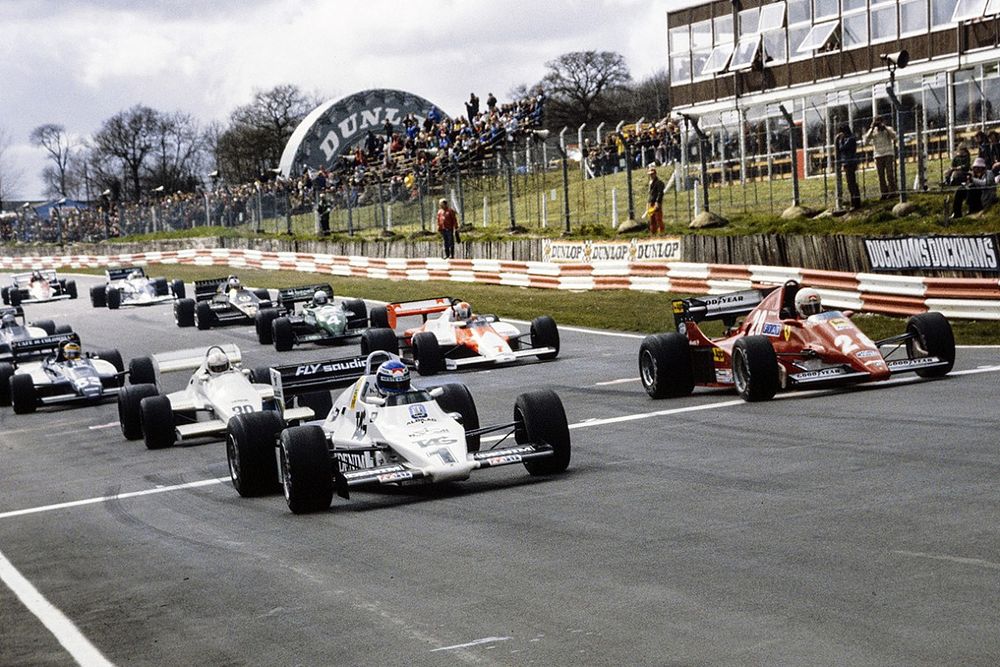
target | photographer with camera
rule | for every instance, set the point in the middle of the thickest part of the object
(883, 142)
(979, 190)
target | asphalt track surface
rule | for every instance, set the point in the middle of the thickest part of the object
(853, 527)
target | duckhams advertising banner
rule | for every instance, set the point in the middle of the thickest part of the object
(665, 249)
(930, 253)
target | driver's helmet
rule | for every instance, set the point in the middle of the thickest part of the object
(36, 275)
(461, 310)
(808, 302)
(217, 362)
(320, 297)
(392, 377)
(233, 283)
(134, 275)
(70, 351)
(8, 321)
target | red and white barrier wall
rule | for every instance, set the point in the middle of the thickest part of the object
(963, 298)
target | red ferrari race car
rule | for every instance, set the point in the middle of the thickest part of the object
(455, 337)
(784, 341)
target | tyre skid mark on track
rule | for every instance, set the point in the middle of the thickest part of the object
(474, 642)
(960, 560)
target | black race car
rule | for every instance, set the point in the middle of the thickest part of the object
(220, 302)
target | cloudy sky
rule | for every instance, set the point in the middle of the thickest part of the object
(77, 62)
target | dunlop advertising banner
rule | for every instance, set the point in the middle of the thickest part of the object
(928, 253)
(666, 249)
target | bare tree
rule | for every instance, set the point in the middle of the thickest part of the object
(577, 82)
(177, 156)
(11, 177)
(129, 136)
(648, 98)
(56, 142)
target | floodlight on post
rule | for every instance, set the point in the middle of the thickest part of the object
(894, 61)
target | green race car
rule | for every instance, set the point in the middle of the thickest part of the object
(319, 320)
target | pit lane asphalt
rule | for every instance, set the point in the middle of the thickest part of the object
(845, 527)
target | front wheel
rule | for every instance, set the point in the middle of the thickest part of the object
(262, 324)
(282, 334)
(157, 422)
(379, 339)
(379, 317)
(250, 452)
(113, 298)
(23, 396)
(141, 370)
(184, 312)
(427, 353)
(665, 366)
(71, 289)
(306, 469)
(98, 296)
(931, 337)
(755, 369)
(204, 318)
(129, 415)
(540, 419)
(457, 398)
(357, 313)
(177, 287)
(544, 333)
(6, 373)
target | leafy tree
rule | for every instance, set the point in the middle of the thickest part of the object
(56, 142)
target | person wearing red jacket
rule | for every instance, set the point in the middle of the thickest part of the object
(447, 225)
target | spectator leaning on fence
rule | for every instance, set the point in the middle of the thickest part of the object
(979, 190)
(883, 142)
(847, 158)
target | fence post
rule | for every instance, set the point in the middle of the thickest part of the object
(702, 141)
(288, 213)
(900, 136)
(565, 175)
(420, 198)
(638, 129)
(921, 182)
(260, 212)
(461, 195)
(486, 210)
(510, 185)
(599, 128)
(628, 180)
(208, 215)
(794, 154)
(614, 208)
(579, 143)
(350, 210)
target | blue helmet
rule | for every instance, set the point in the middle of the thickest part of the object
(392, 377)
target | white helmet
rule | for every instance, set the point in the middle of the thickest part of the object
(217, 362)
(320, 297)
(234, 283)
(462, 310)
(133, 275)
(808, 302)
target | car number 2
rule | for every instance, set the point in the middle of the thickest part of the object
(845, 344)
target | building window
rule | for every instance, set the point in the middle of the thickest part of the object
(992, 8)
(701, 46)
(718, 60)
(912, 17)
(680, 55)
(884, 26)
(825, 9)
(966, 10)
(746, 53)
(772, 17)
(818, 37)
(775, 47)
(749, 21)
(799, 11)
(941, 13)
(724, 30)
(851, 5)
(855, 29)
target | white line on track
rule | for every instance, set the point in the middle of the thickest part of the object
(57, 623)
(619, 381)
(476, 642)
(977, 562)
(98, 427)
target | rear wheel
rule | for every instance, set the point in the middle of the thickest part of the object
(48, 326)
(129, 415)
(71, 289)
(184, 312)
(932, 337)
(6, 373)
(157, 422)
(261, 375)
(357, 313)
(5, 291)
(262, 294)
(23, 396)
(203, 315)
(14, 297)
(306, 469)
(755, 369)
(142, 371)
(262, 324)
(539, 418)
(379, 339)
(320, 402)
(177, 287)
(113, 357)
(97, 296)
(379, 317)
(427, 353)
(665, 365)
(250, 445)
(458, 398)
(64, 329)
(544, 333)
(113, 297)
(160, 287)
(282, 334)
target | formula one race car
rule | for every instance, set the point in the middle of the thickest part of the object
(38, 286)
(382, 431)
(218, 390)
(456, 338)
(219, 302)
(11, 331)
(67, 376)
(785, 341)
(129, 286)
(319, 321)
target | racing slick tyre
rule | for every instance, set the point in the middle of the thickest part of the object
(306, 469)
(457, 398)
(142, 371)
(184, 312)
(357, 313)
(379, 339)
(113, 299)
(379, 317)
(14, 297)
(262, 323)
(320, 402)
(113, 357)
(427, 353)
(46, 325)
(6, 373)
(6, 294)
(260, 375)
(161, 287)
(129, 415)
(755, 369)
(64, 329)
(665, 366)
(157, 420)
(932, 337)
(23, 396)
(262, 294)
(539, 418)
(282, 334)
(177, 287)
(204, 318)
(70, 287)
(97, 296)
(544, 333)
(250, 453)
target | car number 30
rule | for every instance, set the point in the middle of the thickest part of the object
(242, 409)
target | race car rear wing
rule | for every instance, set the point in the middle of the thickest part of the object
(16, 311)
(423, 308)
(290, 296)
(295, 379)
(186, 360)
(123, 272)
(32, 346)
(725, 307)
(24, 278)
(206, 289)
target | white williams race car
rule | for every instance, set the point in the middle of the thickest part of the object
(218, 390)
(39, 286)
(11, 331)
(129, 286)
(382, 431)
